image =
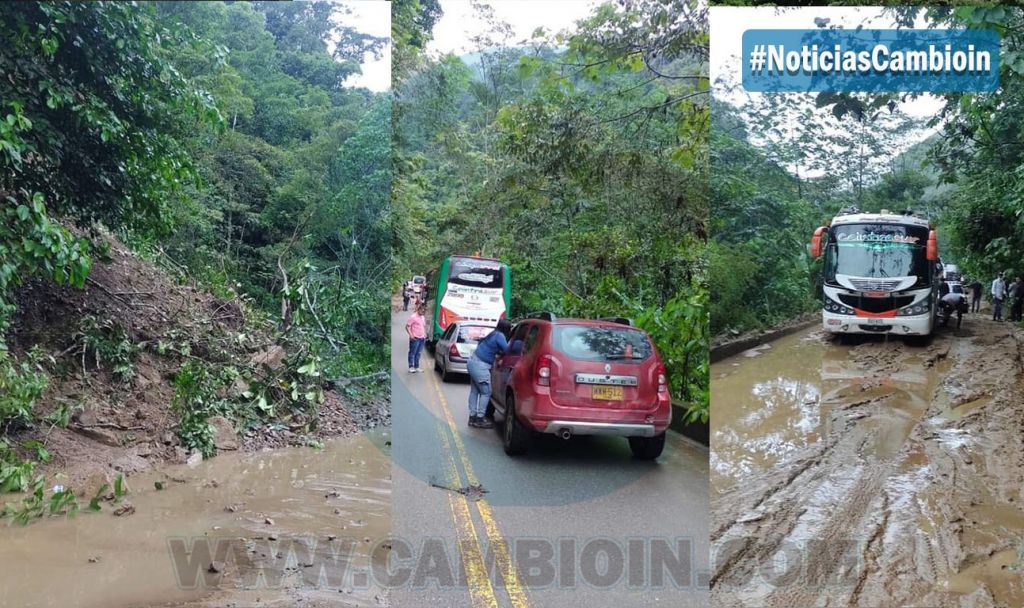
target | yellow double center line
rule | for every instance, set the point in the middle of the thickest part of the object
(480, 589)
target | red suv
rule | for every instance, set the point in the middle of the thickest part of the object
(581, 377)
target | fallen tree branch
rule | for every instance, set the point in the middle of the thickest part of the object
(367, 378)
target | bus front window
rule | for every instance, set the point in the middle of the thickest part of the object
(877, 251)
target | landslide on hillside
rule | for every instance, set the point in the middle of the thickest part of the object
(121, 418)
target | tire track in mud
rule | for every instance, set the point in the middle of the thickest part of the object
(894, 502)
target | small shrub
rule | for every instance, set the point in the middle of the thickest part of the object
(108, 342)
(21, 385)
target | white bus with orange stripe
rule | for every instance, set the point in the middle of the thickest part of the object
(880, 274)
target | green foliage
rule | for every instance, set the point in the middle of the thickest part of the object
(680, 329)
(98, 108)
(21, 385)
(579, 161)
(412, 24)
(107, 343)
(760, 270)
(195, 400)
(296, 190)
(16, 474)
(61, 415)
(979, 152)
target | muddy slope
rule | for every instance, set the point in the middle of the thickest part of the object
(120, 426)
(900, 486)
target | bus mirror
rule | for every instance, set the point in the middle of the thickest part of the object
(932, 250)
(816, 242)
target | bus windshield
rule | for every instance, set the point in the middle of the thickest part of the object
(474, 272)
(877, 251)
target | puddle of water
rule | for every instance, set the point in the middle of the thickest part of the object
(763, 408)
(342, 490)
(767, 407)
(1000, 574)
(958, 412)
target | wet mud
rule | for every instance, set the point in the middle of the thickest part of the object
(283, 510)
(877, 474)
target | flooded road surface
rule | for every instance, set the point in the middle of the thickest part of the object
(876, 474)
(265, 508)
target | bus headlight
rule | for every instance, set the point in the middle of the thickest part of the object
(837, 308)
(918, 308)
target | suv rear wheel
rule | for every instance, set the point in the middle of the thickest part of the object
(514, 437)
(647, 448)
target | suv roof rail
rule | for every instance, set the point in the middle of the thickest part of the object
(544, 316)
(619, 320)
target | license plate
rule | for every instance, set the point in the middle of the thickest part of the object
(876, 321)
(607, 393)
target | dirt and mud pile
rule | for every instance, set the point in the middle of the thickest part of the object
(904, 488)
(113, 351)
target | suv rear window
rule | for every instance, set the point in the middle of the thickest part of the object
(605, 344)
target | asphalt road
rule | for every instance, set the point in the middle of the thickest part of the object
(577, 523)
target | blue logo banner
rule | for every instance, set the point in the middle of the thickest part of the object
(863, 60)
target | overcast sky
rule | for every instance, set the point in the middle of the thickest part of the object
(372, 17)
(460, 23)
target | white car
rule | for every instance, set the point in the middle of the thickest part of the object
(456, 345)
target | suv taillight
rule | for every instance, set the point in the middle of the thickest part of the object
(544, 370)
(453, 350)
(662, 379)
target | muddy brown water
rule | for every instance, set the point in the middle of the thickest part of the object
(286, 495)
(910, 459)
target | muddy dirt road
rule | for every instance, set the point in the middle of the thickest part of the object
(877, 474)
(271, 505)
(531, 539)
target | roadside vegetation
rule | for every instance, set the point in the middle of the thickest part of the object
(966, 175)
(191, 206)
(579, 158)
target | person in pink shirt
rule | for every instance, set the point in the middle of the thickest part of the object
(416, 327)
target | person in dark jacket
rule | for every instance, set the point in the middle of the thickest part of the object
(976, 289)
(487, 350)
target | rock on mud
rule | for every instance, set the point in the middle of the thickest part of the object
(272, 357)
(195, 458)
(104, 436)
(225, 437)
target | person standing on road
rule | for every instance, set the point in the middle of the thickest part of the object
(998, 294)
(479, 367)
(976, 288)
(405, 298)
(416, 327)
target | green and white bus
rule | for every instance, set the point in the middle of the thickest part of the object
(469, 288)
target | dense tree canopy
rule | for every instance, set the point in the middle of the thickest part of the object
(579, 160)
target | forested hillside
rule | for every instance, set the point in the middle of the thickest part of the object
(865, 151)
(765, 207)
(154, 154)
(579, 159)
